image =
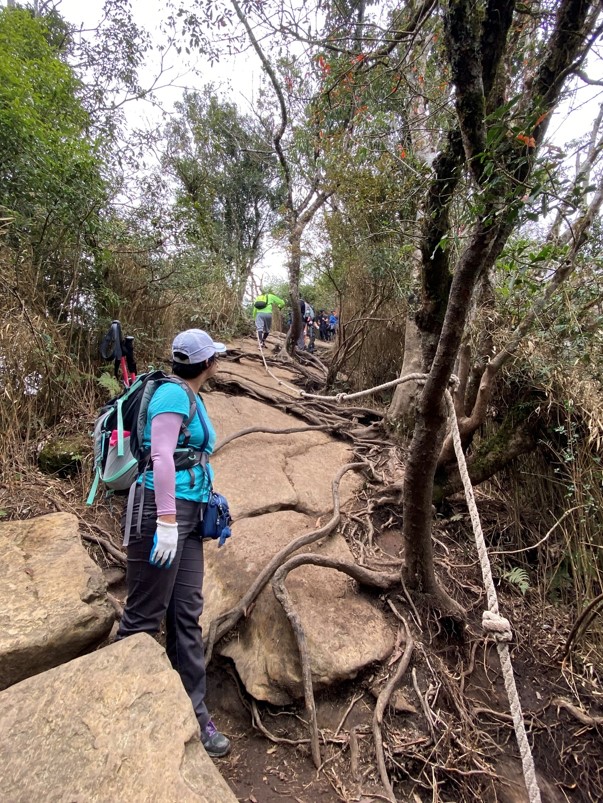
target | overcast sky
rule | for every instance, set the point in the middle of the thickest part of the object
(238, 76)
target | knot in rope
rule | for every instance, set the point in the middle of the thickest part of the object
(302, 393)
(497, 626)
(340, 397)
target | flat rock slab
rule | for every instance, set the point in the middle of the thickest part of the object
(345, 632)
(53, 597)
(278, 385)
(263, 472)
(115, 725)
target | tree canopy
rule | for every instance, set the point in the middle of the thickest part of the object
(226, 188)
(50, 168)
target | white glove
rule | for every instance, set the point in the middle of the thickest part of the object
(165, 544)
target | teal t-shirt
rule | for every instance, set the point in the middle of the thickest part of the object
(171, 398)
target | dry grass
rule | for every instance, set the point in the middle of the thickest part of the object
(372, 328)
(552, 498)
(49, 370)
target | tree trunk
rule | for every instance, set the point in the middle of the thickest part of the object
(294, 270)
(402, 410)
(518, 435)
(475, 48)
(417, 496)
(429, 429)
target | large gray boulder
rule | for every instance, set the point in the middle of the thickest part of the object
(53, 598)
(345, 632)
(115, 725)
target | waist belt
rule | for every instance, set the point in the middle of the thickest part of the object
(185, 459)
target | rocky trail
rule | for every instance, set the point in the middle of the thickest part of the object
(397, 691)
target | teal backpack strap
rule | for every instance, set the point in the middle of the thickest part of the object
(94, 488)
(203, 462)
(120, 429)
(193, 411)
(203, 426)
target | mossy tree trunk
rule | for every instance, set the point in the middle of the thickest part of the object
(516, 436)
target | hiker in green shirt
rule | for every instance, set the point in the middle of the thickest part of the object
(262, 312)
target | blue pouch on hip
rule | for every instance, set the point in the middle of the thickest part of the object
(216, 519)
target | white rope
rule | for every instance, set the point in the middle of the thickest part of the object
(492, 622)
(341, 397)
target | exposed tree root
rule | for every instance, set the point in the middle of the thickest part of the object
(362, 576)
(226, 621)
(257, 723)
(382, 702)
(585, 619)
(305, 358)
(104, 540)
(440, 600)
(117, 606)
(289, 431)
(589, 720)
(106, 544)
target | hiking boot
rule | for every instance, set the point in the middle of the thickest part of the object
(214, 742)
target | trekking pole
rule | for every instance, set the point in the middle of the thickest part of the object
(120, 357)
(112, 348)
(128, 347)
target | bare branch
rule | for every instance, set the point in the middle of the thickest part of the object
(280, 97)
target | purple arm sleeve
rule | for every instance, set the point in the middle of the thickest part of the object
(165, 429)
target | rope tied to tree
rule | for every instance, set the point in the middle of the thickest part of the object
(492, 622)
(341, 397)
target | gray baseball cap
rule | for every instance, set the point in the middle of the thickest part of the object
(197, 345)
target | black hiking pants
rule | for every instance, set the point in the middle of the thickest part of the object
(176, 593)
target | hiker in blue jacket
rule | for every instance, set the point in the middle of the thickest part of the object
(333, 321)
(262, 312)
(165, 559)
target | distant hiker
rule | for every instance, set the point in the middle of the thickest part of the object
(333, 321)
(310, 330)
(301, 340)
(165, 557)
(323, 325)
(262, 311)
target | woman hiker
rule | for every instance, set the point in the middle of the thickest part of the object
(165, 559)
